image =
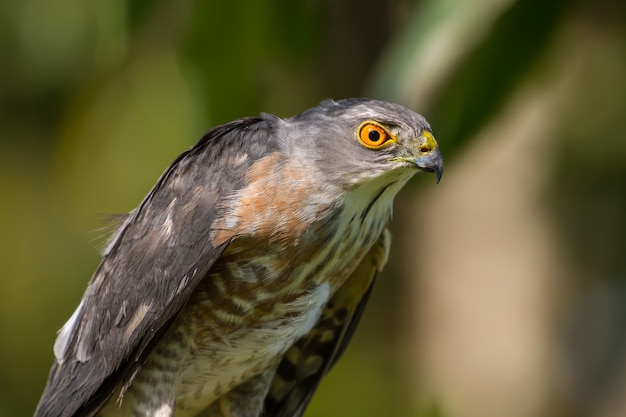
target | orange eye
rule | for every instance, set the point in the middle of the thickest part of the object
(372, 135)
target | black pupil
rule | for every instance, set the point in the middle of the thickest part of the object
(374, 136)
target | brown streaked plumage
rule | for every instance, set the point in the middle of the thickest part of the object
(238, 281)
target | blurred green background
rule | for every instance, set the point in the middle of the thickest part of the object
(506, 291)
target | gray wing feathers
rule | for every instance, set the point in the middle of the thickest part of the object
(149, 269)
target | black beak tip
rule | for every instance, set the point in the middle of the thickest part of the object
(432, 163)
(438, 171)
(437, 165)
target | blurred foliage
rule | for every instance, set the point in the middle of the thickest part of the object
(513, 46)
(96, 98)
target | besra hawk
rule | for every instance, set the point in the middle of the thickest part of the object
(238, 281)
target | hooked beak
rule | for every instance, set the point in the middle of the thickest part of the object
(429, 157)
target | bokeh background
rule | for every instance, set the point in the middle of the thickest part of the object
(506, 291)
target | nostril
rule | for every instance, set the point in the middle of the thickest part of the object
(424, 149)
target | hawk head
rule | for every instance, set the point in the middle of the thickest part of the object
(354, 141)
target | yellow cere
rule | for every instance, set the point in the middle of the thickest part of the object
(430, 144)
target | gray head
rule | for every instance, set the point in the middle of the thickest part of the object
(353, 141)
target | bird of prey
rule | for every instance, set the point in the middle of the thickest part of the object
(236, 284)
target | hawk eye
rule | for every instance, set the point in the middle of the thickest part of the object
(373, 136)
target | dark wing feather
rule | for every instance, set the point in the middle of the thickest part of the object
(149, 269)
(305, 364)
